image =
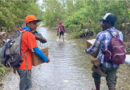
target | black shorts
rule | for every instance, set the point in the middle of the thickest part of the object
(61, 33)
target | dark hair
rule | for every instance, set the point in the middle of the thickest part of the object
(28, 22)
(112, 23)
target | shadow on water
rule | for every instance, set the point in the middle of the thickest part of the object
(69, 69)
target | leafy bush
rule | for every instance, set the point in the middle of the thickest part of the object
(3, 70)
(13, 13)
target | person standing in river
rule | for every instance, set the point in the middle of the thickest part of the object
(102, 41)
(28, 42)
(61, 30)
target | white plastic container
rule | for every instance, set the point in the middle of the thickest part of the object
(127, 60)
(65, 34)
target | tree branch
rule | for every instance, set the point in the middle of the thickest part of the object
(127, 3)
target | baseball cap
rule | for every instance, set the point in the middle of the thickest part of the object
(109, 17)
(30, 18)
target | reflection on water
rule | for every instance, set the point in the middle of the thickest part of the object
(69, 68)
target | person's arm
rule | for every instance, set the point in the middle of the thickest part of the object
(32, 44)
(58, 29)
(95, 46)
(121, 36)
(40, 54)
(64, 28)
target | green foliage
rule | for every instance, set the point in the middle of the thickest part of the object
(3, 70)
(81, 12)
(13, 12)
(75, 34)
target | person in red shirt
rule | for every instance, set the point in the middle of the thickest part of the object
(28, 42)
(61, 30)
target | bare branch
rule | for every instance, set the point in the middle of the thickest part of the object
(127, 3)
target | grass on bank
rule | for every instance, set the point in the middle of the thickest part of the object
(3, 71)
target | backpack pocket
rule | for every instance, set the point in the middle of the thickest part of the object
(119, 58)
(108, 55)
(13, 60)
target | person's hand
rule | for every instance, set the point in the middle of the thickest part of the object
(57, 33)
(48, 60)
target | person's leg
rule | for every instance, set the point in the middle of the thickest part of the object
(97, 80)
(25, 83)
(97, 77)
(63, 37)
(29, 81)
(111, 78)
(60, 35)
(97, 84)
(112, 89)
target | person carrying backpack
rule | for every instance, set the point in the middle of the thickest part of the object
(61, 30)
(28, 42)
(111, 54)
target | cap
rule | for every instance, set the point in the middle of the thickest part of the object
(30, 18)
(109, 17)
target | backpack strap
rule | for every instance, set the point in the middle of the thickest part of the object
(14, 70)
(110, 33)
(26, 63)
(25, 52)
(117, 34)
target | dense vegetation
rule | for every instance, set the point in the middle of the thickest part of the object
(77, 15)
(13, 12)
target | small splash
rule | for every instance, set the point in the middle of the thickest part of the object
(57, 39)
(65, 80)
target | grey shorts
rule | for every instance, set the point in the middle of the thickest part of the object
(111, 76)
(25, 83)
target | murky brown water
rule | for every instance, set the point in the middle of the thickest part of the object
(69, 69)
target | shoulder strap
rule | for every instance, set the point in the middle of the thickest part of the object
(110, 33)
(26, 66)
(25, 52)
(26, 63)
(117, 34)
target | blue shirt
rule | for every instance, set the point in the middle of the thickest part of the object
(27, 28)
(102, 41)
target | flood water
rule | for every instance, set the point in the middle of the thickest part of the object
(69, 68)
